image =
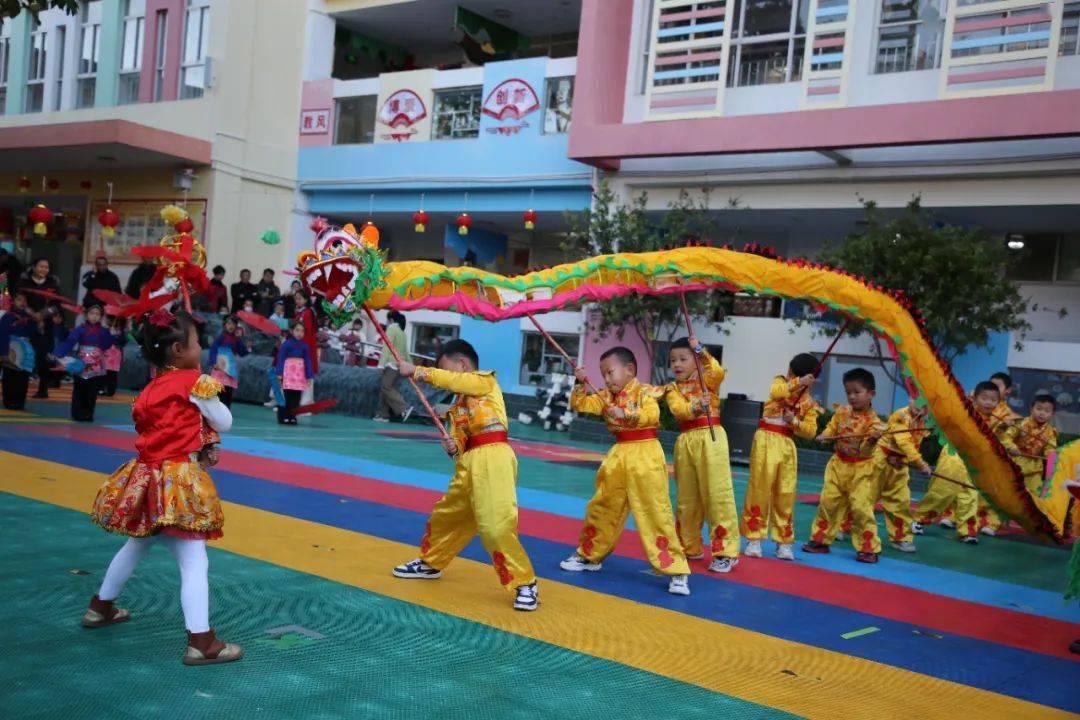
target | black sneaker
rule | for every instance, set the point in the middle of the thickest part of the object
(527, 598)
(417, 570)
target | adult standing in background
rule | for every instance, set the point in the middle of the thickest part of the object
(390, 400)
(243, 291)
(216, 298)
(268, 293)
(38, 277)
(140, 276)
(100, 278)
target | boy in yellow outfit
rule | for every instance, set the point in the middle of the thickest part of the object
(964, 500)
(770, 494)
(481, 497)
(633, 476)
(849, 479)
(1035, 436)
(702, 466)
(988, 519)
(897, 451)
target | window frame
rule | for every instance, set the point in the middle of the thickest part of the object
(571, 343)
(548, 83)
(338, 115)
(61, 55)
(126, 73)
(478, 101)
(88, 78)
(36, 68)
(5, 57)
(1070, 11)
(184, 91)
(793, 71)
(161, 44)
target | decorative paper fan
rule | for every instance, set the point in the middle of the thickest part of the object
(259, 322)
(21, 354)
(314, 408)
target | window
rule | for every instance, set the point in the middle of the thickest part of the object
(1047, 258)
(1070, 30)
(558, 102)
(5, 52)
(35, 71)
(539, 361)
(196, 36)
(910, 35)
(355, 120)
(132, 52)
(768, 40)
(457, 114)
(1016, 36)
(90, 27)
(646, 45)
(161, 35)
(429, 339)
(61, 40)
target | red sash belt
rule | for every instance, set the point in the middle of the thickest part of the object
(850, 458)
(622, 436)
(156, 463)
(488, 438)
(778, 429)
(694, 424)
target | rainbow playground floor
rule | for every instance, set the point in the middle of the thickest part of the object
(316, 516)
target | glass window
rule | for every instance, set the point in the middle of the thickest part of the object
(1028, 36)
(539, 361)
(1070, 30)
(132, 52)
(61, 39)
(355, 120)
(1068, 264)
(196, 39)
(1035, 262)
(160, 44)
(457, 114)
(428, 340)
(768, 39)
(558, 102)
(89, 53)
(35, 71)
(646, 33)
(5, 53)
(910, 35)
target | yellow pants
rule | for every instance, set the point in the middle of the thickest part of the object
(481, 499)
(633, 479)
(770, 494)
(849, 487)
(1033, 470)
(942, 494)
(703, 492)
(894, 495)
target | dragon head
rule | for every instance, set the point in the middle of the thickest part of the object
(344, 268)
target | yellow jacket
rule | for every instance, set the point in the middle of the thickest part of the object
(637, 400)
(479, 406)
(905, 443)
(1031, 438)
(784, 394)
(681, 395)
(846, 421)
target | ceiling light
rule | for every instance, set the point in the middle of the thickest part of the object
(1014, 241)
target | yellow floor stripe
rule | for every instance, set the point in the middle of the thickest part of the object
(752, 666)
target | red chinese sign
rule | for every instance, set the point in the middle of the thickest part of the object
(510, 100)
(400, 112)
(314, 122)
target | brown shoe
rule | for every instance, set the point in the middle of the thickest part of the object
(102, 613)
(818, 548)
(205, 649)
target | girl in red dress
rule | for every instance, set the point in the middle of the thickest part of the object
(165, 496)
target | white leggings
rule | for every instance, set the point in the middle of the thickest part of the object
(194, 586)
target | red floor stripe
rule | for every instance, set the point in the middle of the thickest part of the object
(886, 600)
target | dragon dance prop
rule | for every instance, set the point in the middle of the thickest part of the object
(180, 273)
(349, 272)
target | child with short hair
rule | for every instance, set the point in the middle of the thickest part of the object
(849, 480)
(89, 341)
(17, 326)
(988, 519)
(293, 367)
(897, 451)
(770, 494)
(226, 349)
(633, 478)
(702, 466)
(482, 497)
(1036, 436)
(165, 494)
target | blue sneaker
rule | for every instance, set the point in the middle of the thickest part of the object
(417, 570)
(527, 598)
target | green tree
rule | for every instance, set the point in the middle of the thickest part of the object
(11, 8)
(611, 227)
(954, 275)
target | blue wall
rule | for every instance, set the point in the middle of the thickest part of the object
(975, 365)
(499, 347)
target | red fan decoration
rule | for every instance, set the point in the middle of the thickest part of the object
(420, 221)
(112, 298)
(314, 408)
(530, 219)
(40, 216)
(109, 219)
(259, 322)
(463, 223)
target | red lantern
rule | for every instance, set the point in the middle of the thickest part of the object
(184, 226)
(40, 216)
(109, 219)
(463, 223)
(86, 185)
(53, 184)
(530, 219)
(24, 184)
(420, 221)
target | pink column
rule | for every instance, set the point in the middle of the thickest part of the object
(174, 37)
(595, 346)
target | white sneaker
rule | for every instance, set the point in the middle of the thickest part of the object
(723, 564)
(916, 527)
(576, 563)
(947, 523)
(987, 530)
(270, 403)
(679, 585)
(784, 552)
(905, 547)
(841, 536)
(753, 548)
(381, 419)
(527, 598)
(970, 540)
(417, 570)
(407, 414)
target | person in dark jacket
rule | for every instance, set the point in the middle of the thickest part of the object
(216, 298)
(38, 277)
(100, 278)
(139, 277)
(243, 291)
(268, 293)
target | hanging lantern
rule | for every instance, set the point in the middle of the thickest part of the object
(86, 185)
(54, 185)
(24, 184)
(420, 221)
(40, 217)
(109, 219)
(463, 223)
(530, 219)
(185, 226)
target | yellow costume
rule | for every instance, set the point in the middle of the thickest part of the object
(481, 497)
(770, 494)
(1031, 438)
(632, 478)
(702, 466)
(849, 481)
(1005, 419)
(894, 454)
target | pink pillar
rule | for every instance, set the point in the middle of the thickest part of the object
(174, 37)
(595, 346)
(318, 95)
